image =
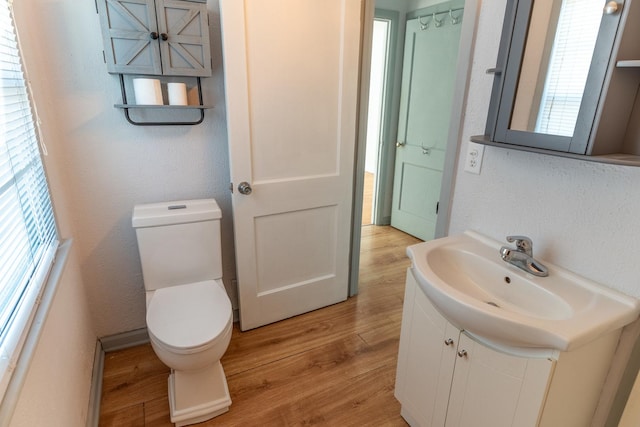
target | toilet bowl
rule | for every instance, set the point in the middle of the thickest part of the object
(190, 328)
(190, 325)
(189, 315)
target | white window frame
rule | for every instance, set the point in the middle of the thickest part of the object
(19, 330)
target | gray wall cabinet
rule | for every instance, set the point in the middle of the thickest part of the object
(606, 127)
(161, 37)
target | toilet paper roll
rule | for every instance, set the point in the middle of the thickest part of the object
(177, 93)
(147, 91)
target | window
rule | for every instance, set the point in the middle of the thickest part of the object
(570, 60)
(28, 237)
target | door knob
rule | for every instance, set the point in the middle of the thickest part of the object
(462, 353)
(244, 188)
(448, 342)
(400, 144)
(154, 35)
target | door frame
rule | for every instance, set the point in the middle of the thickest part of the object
(388, 126)
(465, 60)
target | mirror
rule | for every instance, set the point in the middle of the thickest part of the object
(557, 56)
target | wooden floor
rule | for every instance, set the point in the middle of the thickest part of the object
(367, 198)
(335, 366)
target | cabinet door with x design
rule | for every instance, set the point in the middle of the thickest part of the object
(156, 37)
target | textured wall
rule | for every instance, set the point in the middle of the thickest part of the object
(56, 387)
(109, 165)
(581, 215)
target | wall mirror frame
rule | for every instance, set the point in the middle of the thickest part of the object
(604, 125)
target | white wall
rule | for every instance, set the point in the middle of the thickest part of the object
(107, 165)
(56, 389)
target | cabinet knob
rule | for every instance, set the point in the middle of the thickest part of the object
(164, 36)
(462, 353)
(154, 35)
(448, 342)
(610, 8)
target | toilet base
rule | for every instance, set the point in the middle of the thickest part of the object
(197, 396)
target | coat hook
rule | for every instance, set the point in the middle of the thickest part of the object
(423, 25)
(454, 19)
(438, 23)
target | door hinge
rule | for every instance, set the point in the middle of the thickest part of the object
(231, 187)
(96, 3)
(437, 207)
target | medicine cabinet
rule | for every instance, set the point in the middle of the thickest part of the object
(566, 80)
(166, 38)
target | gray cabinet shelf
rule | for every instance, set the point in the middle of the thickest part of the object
(614, 159)
(200, 107)
(165, 38)
(632, 63)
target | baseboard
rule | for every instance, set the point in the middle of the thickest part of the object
(93, 414)
(105, 345)
(124, 340)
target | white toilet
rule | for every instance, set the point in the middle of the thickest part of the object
(189, 316)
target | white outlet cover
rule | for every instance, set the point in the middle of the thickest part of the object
(473, 160)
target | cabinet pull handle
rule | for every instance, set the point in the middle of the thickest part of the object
(448, 342)
(462, 353)
(164, 36)
(154, 35)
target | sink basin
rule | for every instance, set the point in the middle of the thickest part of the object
(468, 282)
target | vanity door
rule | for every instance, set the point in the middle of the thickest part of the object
(495, 389)
(426, 359)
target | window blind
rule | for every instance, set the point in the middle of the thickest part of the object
(575, 39)
(28, 236)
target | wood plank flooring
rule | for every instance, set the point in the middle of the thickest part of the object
(335, 366)
(367, 198)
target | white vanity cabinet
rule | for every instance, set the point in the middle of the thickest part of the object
(445, 377)
(156, 37)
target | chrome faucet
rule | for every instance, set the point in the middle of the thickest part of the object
(522, 256)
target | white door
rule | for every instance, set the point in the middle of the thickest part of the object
(291, 76)
(428, 79)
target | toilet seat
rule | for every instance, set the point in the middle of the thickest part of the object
(190, 317)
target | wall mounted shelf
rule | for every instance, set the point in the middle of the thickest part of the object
(125, 106)
(633, 63)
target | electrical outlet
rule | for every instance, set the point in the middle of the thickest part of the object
(473, 163)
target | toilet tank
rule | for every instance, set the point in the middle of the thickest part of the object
(178, 242)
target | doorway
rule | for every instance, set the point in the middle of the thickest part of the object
(380, 115)
(387, 132)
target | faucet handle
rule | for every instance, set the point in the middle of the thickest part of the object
(523, 243)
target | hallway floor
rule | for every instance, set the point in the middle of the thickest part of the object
(334, 366)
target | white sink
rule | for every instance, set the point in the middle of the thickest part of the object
(467, 280)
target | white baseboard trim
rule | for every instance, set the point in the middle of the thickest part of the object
(124, 340)
(105, 345)
(93, 414)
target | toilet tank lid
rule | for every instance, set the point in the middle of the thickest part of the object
(177, 212)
